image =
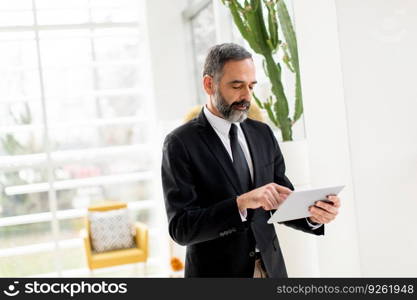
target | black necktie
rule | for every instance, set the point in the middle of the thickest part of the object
(239, 160)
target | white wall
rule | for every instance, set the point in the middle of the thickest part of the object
(357, 62)
(326, 130)
(378, 42)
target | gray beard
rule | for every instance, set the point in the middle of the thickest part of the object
(227, 111)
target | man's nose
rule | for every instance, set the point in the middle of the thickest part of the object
(246, 94)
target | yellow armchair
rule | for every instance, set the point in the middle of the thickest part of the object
(115, 257)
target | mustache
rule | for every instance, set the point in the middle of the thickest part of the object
(242, 102)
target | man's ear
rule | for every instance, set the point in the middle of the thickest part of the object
(208, 84)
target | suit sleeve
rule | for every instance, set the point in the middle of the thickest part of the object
(281, 179)
(188, 222)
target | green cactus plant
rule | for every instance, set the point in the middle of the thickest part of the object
(259, 28)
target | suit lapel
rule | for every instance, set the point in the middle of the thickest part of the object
(215, 145)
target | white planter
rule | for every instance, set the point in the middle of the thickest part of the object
(299, 249)
(296, 161)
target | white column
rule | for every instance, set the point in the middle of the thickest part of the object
(173, 93)
(171, 58)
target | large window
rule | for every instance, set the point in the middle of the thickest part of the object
(76, 123)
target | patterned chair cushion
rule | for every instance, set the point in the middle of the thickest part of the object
(110, 230)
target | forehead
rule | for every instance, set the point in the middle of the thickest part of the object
(242, 70)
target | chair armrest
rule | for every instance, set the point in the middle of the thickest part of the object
(87, 244)
(141, 237)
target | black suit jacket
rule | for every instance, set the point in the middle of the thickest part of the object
(200, 189)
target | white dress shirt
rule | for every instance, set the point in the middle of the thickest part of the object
(222, 128)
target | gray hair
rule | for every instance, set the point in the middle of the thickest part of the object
(220, 54)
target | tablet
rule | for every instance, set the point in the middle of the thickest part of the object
(297, 204)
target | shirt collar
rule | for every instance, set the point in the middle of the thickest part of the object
(220, 124)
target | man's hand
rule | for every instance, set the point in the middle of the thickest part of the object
(323, 212)
(269, 196)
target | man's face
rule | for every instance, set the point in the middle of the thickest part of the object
(233, 92)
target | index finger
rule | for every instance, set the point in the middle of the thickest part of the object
(282, 189)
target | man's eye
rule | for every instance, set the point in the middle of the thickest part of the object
(236, 87)
(251, 88)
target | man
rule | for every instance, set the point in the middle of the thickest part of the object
(222, 175)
